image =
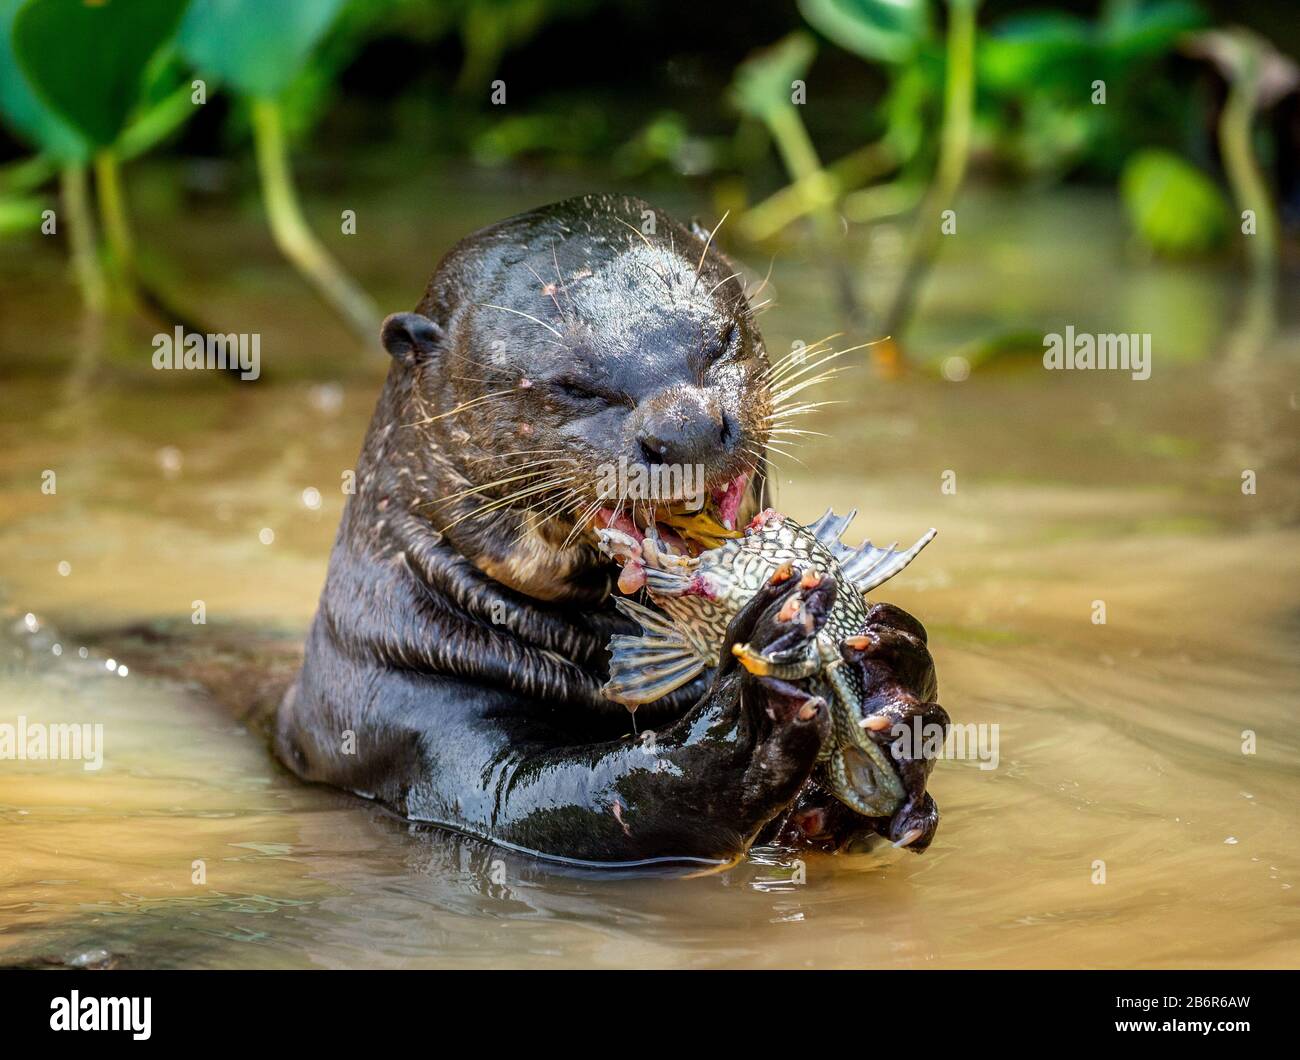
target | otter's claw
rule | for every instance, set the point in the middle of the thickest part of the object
(753, 661)
(764, 664)
(811, 706)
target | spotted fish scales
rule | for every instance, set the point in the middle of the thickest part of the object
(699, 596)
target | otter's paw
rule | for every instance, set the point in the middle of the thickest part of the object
(748, 747)
(786, 724)
(891, 655)
(778, 656)
(782, 642)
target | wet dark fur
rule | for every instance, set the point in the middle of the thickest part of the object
(454, 665)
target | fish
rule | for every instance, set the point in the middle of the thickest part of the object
(697, 596)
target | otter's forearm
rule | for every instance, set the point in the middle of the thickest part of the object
(542, 776)
(701, 789)
(619, 802)
(679, 793)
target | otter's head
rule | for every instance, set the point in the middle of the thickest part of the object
(591, 363)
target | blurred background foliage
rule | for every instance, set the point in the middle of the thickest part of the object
(798, 118)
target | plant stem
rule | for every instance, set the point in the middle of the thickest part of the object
(1258, 317)
(1248, 185)
(81, 236)
(802, 163)
(130, 290)
(156, 124)
(483, 34)
(112, 210)
(954, 150)
(882, 201)
(290, 231)
(822, 187)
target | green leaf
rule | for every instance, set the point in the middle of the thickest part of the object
(23, 110)
(1051, 50)
(762, 82)
(1142, 29)
(885, 31)
(258, 46)
(20, 214)
(86, 60)
(1029, 52)
(1175, 208)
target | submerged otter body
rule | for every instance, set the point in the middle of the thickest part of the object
(454, 666)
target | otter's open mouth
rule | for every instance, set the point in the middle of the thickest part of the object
(675, 528)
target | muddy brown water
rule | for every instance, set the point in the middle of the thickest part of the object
(1144, 806)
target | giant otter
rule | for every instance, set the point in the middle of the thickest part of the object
(454, 666)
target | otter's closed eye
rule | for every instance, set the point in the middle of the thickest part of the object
(726, 344)
(577, 391)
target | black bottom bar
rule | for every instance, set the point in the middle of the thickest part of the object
(380, 1008)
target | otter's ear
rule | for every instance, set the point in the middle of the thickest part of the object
(699, 231)
(410, 337)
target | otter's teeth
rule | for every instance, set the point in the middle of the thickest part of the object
(618, 546)
(609, 519)
(728, 501)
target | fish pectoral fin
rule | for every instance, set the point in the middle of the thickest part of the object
(667, 582)
(645, 668)
(642, 670)
(653, 623)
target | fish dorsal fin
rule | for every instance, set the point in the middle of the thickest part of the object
(645, 668)
(830, 528)
(869, 565)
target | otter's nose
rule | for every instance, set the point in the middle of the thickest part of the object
(690, 428)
